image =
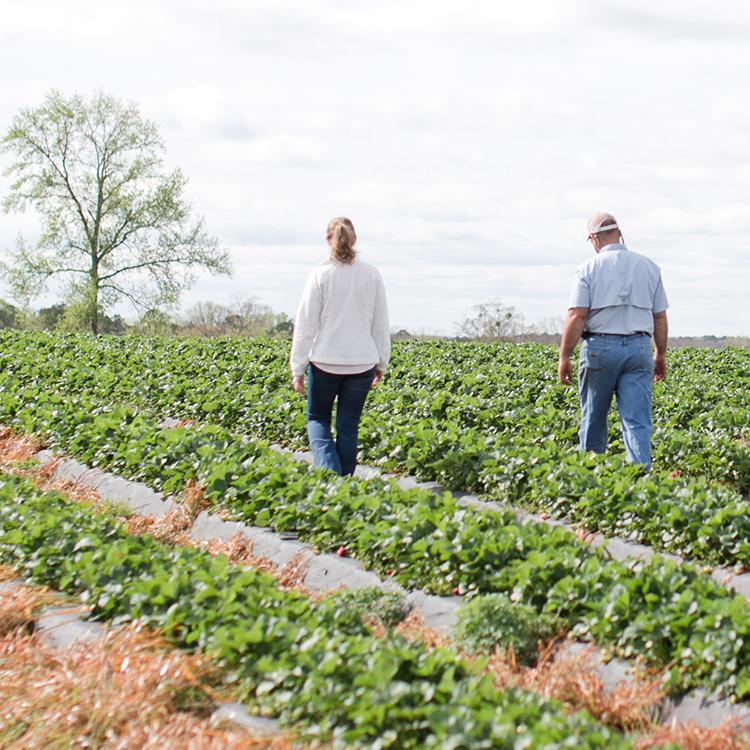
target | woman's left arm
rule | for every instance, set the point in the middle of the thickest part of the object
(381, 329)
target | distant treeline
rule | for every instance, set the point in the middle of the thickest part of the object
(675, 342)
(251, 318)
(243, 318)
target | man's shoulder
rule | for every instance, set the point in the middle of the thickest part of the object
(643, 258)
(606, 258)
(644, 262)
(588, 266)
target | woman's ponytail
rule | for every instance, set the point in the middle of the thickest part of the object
(342, 238)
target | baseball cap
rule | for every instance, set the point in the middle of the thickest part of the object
(601, 221)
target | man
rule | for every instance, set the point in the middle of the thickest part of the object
(618, 303)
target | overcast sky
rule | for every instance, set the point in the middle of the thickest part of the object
(468, 142)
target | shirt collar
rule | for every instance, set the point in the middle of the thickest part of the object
(613, 246)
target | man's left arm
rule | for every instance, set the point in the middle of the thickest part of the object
(661, 331)
(661, 334)
(574, 327)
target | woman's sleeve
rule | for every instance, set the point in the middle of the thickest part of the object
(381, 329)
(306, 324)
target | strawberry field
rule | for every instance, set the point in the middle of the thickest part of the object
(489, 419)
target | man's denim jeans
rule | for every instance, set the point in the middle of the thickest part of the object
(623, 366)
(350, 393)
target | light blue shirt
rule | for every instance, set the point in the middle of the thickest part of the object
(622, 290)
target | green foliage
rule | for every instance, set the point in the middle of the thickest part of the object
(115, 224)
(10, 316)
(387, 608)
(486, 417)
(312, 664)
(49, 318)
(83, 311)
(489, 418)
(421, 539)
(116, 508)
(493, 621)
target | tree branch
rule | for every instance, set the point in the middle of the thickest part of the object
(137, 304)
(146, 264)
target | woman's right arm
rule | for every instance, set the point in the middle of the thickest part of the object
(306, 325)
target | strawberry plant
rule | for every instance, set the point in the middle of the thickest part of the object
(313, 664)
(489, 418)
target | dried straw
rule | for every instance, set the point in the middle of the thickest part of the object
(573, 680)
(18, 607)
(15, 447)
(730, 735)
(294, 572)
(133, 691)
(7, 573)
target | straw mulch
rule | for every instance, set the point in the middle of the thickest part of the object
(131, 692)
(730, 735)
(572, 680)
(577, 683)
(18, 606)
(17, 447)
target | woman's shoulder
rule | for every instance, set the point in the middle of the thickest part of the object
(333, 268)
(322, 268)
(366, 268)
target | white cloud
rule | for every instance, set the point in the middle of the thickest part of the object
(468, 143)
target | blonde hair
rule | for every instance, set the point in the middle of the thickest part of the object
(341, 235)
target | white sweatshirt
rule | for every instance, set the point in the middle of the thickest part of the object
(342, 319)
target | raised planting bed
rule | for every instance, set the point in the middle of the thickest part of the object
(485, 418)
(314, 664)
(665, 612)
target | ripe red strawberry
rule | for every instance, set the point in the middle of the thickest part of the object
(341, 552)
(676, 473)
(457, 591)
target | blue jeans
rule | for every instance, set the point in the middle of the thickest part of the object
(623, 366)
(350, 392)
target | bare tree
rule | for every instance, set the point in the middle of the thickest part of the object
(548, 326)
(245, 317)
(207, 318)
(115, 223)
(248, 317)
(492, 320)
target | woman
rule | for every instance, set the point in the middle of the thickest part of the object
(342, 339)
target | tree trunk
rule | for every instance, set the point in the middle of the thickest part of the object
(91, 301)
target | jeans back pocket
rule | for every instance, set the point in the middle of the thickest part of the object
(593, 356)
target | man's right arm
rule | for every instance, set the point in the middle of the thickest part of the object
(661, 334)
(574, 326)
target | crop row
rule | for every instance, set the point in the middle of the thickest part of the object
(314, 664)
(451, 414)
(669, 614)
(462, 388)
